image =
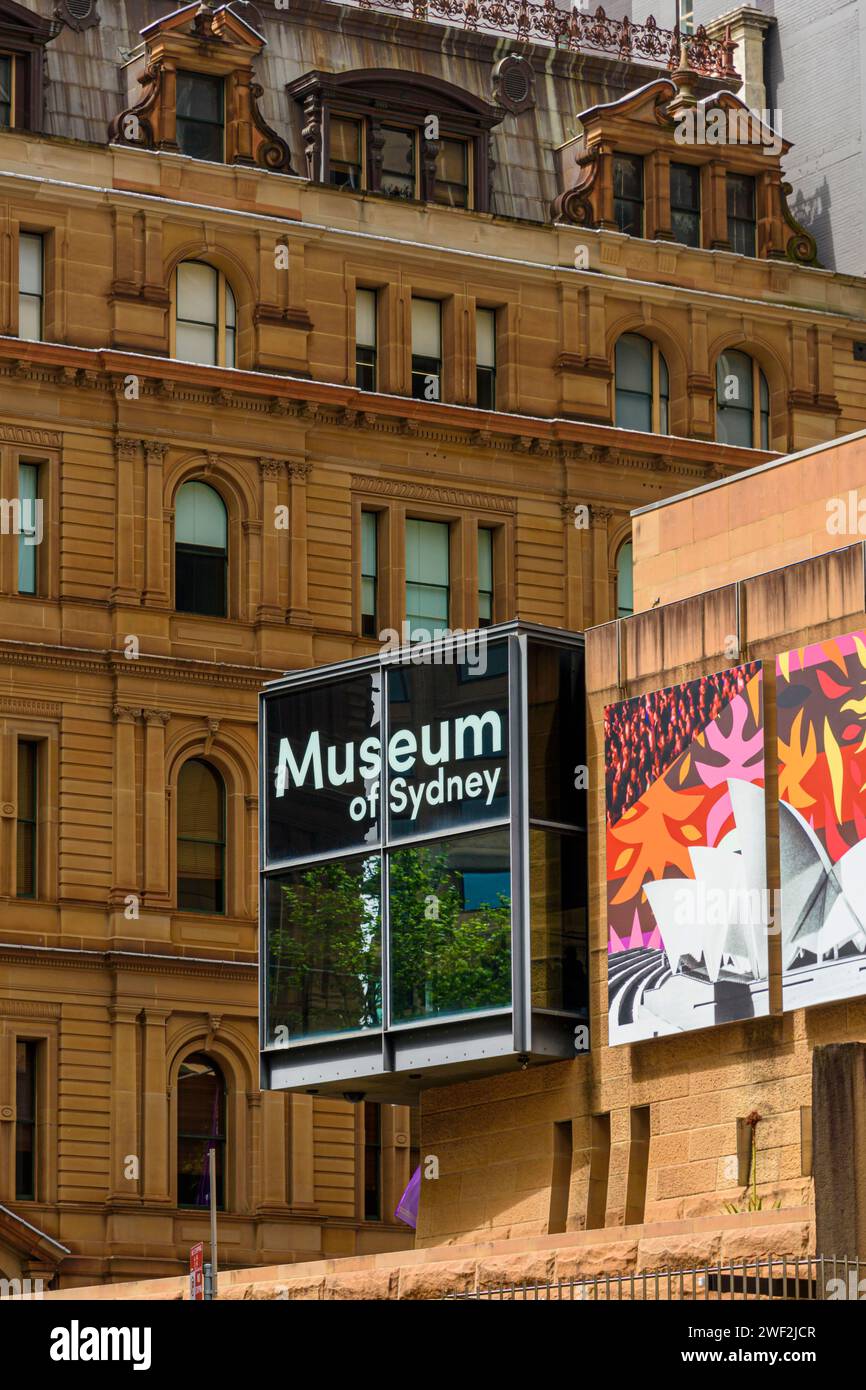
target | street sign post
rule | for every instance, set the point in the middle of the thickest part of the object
(196, 1272)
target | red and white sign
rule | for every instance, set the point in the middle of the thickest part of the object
(196, 1271)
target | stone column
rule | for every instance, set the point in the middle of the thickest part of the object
(269, 611)
(155, 1108)
(301, 1171)
(601, 603)
(125, 587)
(126, 1151)
(155, 806)
(273, 1150)
(8, 808)
(299, 612)
(7, 1115)
(154, 553)
(125, 847)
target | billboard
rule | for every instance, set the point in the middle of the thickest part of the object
(821, 740)
(687, 900)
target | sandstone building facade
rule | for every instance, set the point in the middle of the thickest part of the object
(284, 365)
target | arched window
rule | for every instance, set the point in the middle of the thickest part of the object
(205, 316)
(201, 1126)
(742, 402)
(642, 385)
(624, 581)
(200, 551)
(200, 838)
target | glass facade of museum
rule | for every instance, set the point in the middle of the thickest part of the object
(424, 864)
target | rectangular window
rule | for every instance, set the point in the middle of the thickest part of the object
(200, 116)
(345, 167)
(28, 761)
(686, 204)
(7, 91)
(365, 339)
(452, 173)
(427, 578)
(741, 213)
(398, 162)
(25, 1120)
(369, 572)
(28, 534)
(485, 359)
(628, 193)
(485, 576)
(426, 349)
(31, 256)
(372, 1161)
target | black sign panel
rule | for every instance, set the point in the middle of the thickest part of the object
(448, 744)
(323, 751)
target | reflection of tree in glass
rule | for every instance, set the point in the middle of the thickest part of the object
(324, 952)
(451, 960)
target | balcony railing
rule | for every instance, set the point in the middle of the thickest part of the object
(572, 29)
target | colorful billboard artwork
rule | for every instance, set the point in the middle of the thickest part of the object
(686, 857)
(821, 732)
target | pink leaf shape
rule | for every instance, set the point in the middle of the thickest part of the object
(739, 752)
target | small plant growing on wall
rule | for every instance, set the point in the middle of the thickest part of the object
(750, 1200)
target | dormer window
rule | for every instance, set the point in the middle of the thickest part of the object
(376, 132)
(200, 116)
(198, 91)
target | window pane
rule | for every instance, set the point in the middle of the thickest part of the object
(28, 483)
(485, 337)
(369, 557)
(734, 380)
(326, 735)
(323, 927)
(201, 835)
(200, 516)
(30, 263)
(741, 195)
(485, 559)
(460, 961)
(200, 581)
(5, 90)
(25, 1127)
(427, 328)
(365, 318)
(557, 734)
(25, 843)
(456, 719)
(197, 287)
(558, 921)
(427, 551)
(634, 364)
(201, 1126)
(398, 163)
(194, 343)
(452, 174)
(199, 96)
(200, 115)
(625, 581)
(345, 140)
(628, 193)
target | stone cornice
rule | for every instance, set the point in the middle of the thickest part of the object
(154, 964)
(115, 662)
(322, 405)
